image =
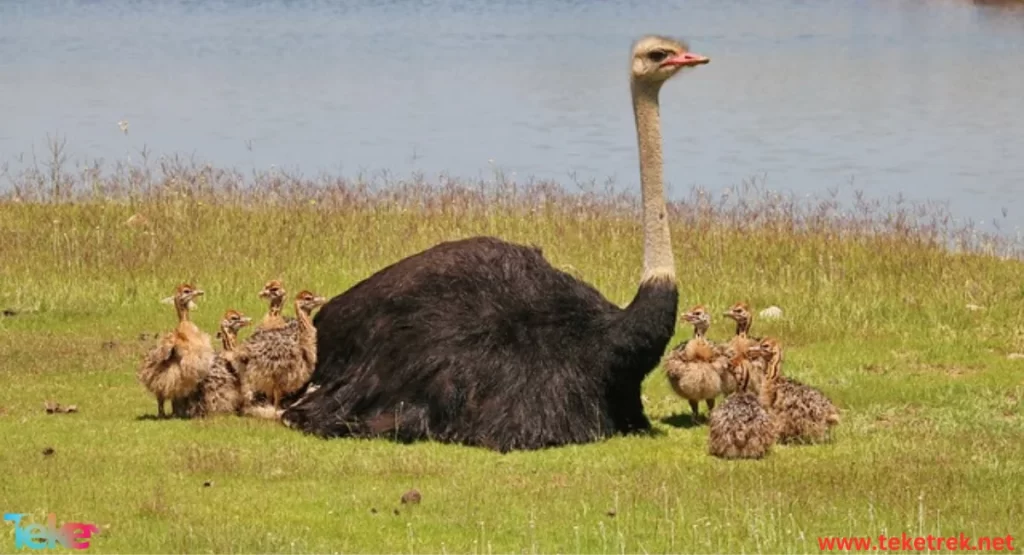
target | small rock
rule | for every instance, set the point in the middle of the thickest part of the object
(974, 307)
(8, 312)
(51, 407)
(612, 513)
(411, 497)
(207, 484)
(71, 408)
(373, 510)
(48, 451)
(1015, 356)
(396, 512)
(771, 313)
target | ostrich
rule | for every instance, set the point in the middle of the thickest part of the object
(278, 361)
(740, 427)
(220, 391)
(174, 367)
(802, 413)
(696, 368)
(483, 342)
(740, 312)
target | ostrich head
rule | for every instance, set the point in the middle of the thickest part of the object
(184, 296)
(657, 59)
(308, 301)
(699, 317)
(234, 321)
(273, 290)
(741, 313)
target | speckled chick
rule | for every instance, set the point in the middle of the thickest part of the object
(695, 368)
(741, 313)
(740, 428)
(220, 392)
(802, 413)
(173, 369)
(278, 361)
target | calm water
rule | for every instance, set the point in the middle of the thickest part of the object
(919, 97)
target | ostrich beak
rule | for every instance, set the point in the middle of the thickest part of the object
(246, 320)
(686, 59)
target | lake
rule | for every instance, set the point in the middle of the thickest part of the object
(920, 98)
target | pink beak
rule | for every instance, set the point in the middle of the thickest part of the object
(686, 59)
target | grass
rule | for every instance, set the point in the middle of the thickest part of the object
(875, 298)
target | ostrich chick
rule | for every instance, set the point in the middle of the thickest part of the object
(278, 361)
(274, 292)
(802, 414)
(181, 358)
(221, 391)
(740, 427)
(741, 342)
(695, 368)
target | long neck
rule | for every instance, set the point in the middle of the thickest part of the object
(276, 303)
(227, 338)
(739, 365)
(650, 318)
(699, 330)
(768, 385)
(305, 322)
(658, 259)
(742, 326)
(774, 367)
(182, 309)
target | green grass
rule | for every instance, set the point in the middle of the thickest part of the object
(875, 315)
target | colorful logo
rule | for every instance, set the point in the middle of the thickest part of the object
(73, 535)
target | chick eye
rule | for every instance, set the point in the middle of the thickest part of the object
(657, 55)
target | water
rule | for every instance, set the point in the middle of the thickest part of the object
(915, 97)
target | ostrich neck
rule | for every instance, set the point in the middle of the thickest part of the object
(658, 259)
(774, 366)
(276, 304)
(227, 338)
(182, 310)
(741, 373)
(699, 331)
(305, 323)
(742, 326)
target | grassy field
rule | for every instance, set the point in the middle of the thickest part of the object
(909, 337)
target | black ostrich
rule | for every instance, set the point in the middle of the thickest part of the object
(483, 342)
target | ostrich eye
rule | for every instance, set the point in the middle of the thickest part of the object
(657, 55)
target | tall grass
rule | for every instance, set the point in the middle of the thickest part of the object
(902, 316)
(871, 267)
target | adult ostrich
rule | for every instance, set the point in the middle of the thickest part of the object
(483, 342)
